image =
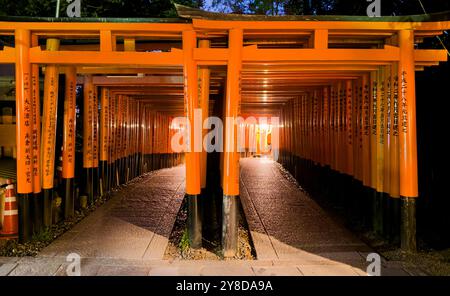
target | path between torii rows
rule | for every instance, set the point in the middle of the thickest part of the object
(128, 235)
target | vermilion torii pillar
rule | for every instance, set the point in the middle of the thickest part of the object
(68, 164)
(48, 140)
(231, 154)
(192, 157)
(408, 140)
(37, 209)
(88, 122)
(23, 131)
(204, 75)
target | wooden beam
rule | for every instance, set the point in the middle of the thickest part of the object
(253, 54)
(321, 39)
(173, 58)
(7, 55)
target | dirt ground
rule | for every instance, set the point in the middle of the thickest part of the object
(179, 249)
(431, 262)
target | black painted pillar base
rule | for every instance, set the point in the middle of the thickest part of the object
(88, 186)
(116, 177)
(103, 179)
(110, 176)
(386, 202)
(230, 224)
(37, 211)
(25, 229)
(395, 220)
(149, 162)
(202, 205)
(119, 170)
(140, 164)
(69, 200)
(408, 225)
(127, 169)
(194, 222)
(296, 168)
(95, 183)
(48, 201)
(377, 212)
(358, 202)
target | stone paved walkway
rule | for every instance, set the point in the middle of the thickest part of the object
(284, 221)
(135, 224)
(128, 235)
(288, 226)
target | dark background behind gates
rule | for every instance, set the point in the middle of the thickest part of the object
(433, 208)
(433, 211)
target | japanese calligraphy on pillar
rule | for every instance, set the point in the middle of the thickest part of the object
(104, 119)
(366, 109)
(69, 124)
(118, 138)
(27, 123)
(349, 108)
(23, 110)
(394, 177)
(382, 117)
(374, 107)
(94, 127)
(395, 128)
(87, 122)
(404, 85)
(112, 125)
(360, 110)
(366, 129)
(49, 125)
(125, 135)
(35, 131)
(388, 106)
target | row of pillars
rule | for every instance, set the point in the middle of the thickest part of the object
(122, 139)
(118, 162)
(130, 139)
(359, 136)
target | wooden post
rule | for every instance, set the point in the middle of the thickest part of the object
(23, 131)
(204, 74)
(112, 141)
(231, 154)
(88, 110)
(36, 145)
(192, 157)
(68, 164)
(50, 107)
(104, 139)
(408, 141)
(95, 143)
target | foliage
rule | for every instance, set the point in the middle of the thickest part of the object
(96, 8)
(184, 242)
(164, 8)
(325, 7)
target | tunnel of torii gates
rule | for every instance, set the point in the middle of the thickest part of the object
(343, 88)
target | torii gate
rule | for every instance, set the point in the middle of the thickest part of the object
(308, 69)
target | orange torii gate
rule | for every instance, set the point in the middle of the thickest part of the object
(343, 86)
